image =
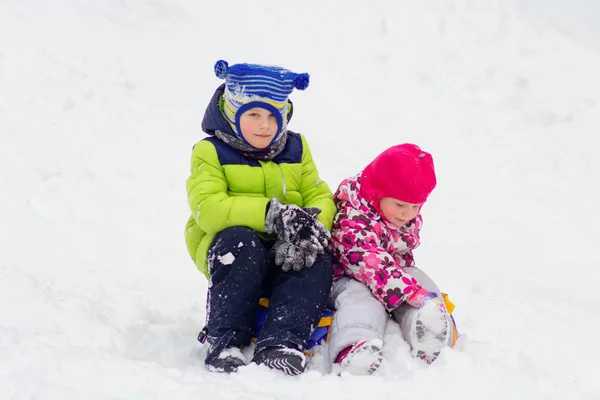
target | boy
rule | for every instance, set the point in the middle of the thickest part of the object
(260, 221)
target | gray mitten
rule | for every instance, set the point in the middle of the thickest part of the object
(290, 256)
(296, 225)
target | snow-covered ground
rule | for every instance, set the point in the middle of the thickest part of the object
(101, 102)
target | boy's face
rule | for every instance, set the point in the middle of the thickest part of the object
(258, 127)
(398, 212)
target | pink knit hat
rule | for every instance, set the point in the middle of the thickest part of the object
(404, 172)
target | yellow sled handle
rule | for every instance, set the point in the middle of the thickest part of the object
(449, 304)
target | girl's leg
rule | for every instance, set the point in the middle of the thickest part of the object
(428, 329)
(357, 328)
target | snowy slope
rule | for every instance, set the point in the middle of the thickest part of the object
(101, 102)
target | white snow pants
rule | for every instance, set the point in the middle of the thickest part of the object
(358, 314)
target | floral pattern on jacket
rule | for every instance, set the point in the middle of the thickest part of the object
(372, 250)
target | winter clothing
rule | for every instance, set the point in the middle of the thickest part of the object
(230, 187)
(403, 172)
(375, 269)
(292, 257)
(312, 238)
(427, 330)
(358, 317)
(214, 123)
(288, 360)
(227, 360)
(250, 85)
(361, 317)
(318, 336)
(362, 358)
(293, 224)
(371, 250)
(418, 298)
(242, 272)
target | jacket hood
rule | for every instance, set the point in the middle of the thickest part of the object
(213, 117)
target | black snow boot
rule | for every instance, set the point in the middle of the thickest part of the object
(227, 360)
(288, 360)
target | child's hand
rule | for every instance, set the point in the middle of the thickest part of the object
(290, 256)
(418, 298)
(297, 226)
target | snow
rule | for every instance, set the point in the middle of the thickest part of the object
(232, 352)
(101, 103)
(227, 259)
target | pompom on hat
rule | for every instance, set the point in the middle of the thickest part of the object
(403, 172)
(252, 85)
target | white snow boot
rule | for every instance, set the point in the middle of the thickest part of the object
(362, 358)
(427, 330)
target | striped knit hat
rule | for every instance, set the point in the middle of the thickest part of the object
(251, 85)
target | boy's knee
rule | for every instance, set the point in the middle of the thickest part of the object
(238, 248)
(239, 234)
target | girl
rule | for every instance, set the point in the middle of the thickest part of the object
(374, 232)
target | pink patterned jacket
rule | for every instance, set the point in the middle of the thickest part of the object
(371, 250)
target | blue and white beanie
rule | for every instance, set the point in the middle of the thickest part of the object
(251, 85)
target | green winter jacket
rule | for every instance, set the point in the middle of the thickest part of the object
(224, 191)
(228, 189)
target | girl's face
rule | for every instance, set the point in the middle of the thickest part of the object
(258, 127)
(398, 212)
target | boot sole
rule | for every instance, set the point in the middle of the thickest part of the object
(290, 363)
(364, 360)
(430, 332)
